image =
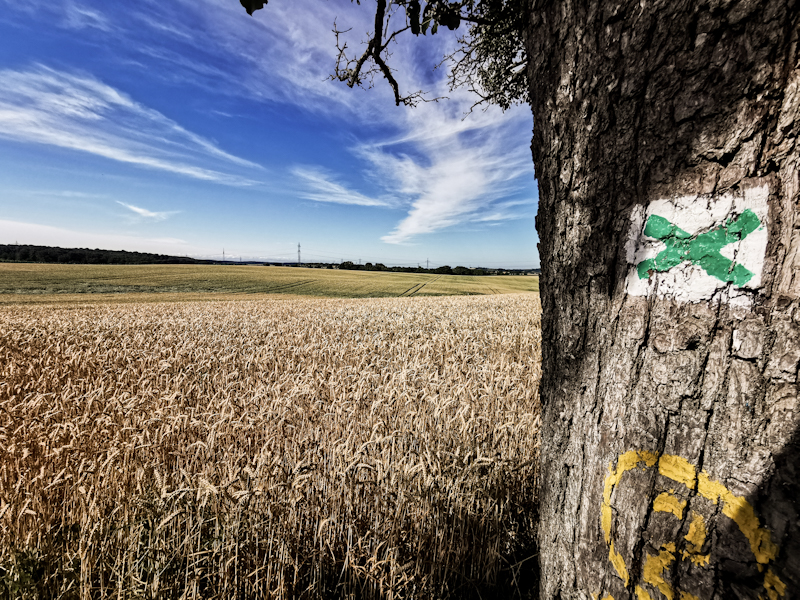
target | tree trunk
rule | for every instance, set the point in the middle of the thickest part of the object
(665, 148)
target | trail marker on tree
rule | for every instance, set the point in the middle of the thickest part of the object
(702, 249)
(690, 248)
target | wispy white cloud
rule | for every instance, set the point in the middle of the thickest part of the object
(448, 171)
(285, 53)
(148, 214)
(445, 170)
(322, 189)
(78, 16)
(79, 112)
(183, 66)
(455, 171)
(506, 211)
(174, 29)
(61, 194)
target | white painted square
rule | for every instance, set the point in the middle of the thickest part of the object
(695, 215)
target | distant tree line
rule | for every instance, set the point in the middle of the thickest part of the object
(85, 256)
(443, 270)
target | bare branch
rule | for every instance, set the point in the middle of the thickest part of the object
(353, 71)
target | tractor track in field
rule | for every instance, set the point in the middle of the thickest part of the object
(288, 286)
(415, 289)
(411, 290)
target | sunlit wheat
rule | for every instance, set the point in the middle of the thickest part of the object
(276, 449)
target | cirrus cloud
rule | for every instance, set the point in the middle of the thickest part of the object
(79, 112)
(148, 214)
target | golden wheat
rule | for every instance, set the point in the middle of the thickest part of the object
(52, 282)
(278, 449)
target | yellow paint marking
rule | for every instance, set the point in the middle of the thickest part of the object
(666, 502)
(709, 489)
(774, 586)
(696, 538)
(605, 521)
(734, 507)
(654, 567)
(678, 469)
(744, 516)
(619, 563)
(642, 594)
(742, 513)
(625, 462)
(649, 458)
(697, 532)
(701, 560)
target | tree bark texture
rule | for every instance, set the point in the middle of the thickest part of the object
(671, 425)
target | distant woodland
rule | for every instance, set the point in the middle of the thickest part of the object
(85, 256)
(443, 270)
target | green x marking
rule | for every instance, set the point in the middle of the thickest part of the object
(702, 249)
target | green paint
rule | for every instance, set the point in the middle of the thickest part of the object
(702, 249)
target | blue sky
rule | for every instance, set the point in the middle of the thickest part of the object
(186, 127)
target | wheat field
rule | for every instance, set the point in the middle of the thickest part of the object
(311, 448)
(41, 282)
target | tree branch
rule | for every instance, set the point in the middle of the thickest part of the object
(490, 61)
(352, 72)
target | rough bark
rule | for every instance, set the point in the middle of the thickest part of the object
(670, 427)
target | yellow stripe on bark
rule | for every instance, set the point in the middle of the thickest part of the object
(666, 502)
(736, 508)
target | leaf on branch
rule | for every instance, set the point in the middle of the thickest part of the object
(413, 16)
(252, 5)
(451, 16)
(427, 18)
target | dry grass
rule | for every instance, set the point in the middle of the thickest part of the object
(378, 448)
